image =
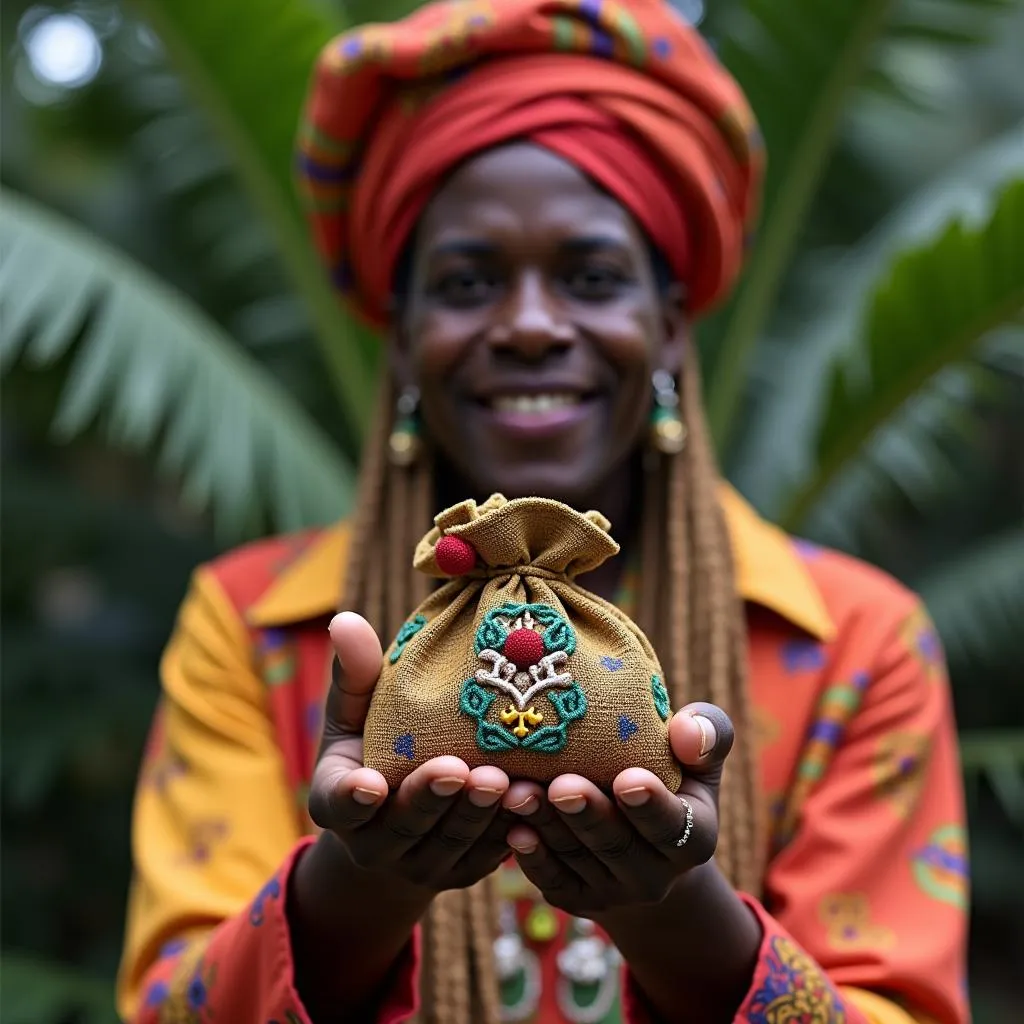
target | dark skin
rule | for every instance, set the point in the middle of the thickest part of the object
(525, 280)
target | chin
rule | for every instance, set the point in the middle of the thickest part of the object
(571, 485)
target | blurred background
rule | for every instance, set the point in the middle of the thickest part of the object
(177, 378)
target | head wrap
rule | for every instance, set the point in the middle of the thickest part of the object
(625, 90)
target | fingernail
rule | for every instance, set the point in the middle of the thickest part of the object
(527, 806)
(523, 845)
(365, 796)
(570, 804)
(481, 796)
(446, 787)
(635, 797)
(708, 735)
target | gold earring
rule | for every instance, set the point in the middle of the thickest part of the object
(667, 431)
(404, 443)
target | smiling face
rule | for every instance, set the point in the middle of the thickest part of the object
(531, 325)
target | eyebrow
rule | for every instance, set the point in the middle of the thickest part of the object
(475, 247)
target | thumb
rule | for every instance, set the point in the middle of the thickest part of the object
(701, 736)
(355, 672)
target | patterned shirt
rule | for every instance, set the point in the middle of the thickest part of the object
(863, 904)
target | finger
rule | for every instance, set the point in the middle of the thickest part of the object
(465, 822)
(599, 825)
(561, 886)
(659, 816)
(419, 803)
(701, 736)
(356, 668)
(343, 795)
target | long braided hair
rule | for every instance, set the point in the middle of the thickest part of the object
(694, 619)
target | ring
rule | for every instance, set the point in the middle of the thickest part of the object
(688, 827)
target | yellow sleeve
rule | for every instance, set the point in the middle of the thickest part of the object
(213, 817)
(876, 1009)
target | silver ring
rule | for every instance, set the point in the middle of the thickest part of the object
(688, 827)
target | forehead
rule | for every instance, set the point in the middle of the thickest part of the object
(522, 188)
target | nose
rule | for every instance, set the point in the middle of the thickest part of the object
(529, 324)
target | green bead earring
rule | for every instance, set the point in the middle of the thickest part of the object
(404, 444)
(667, 432)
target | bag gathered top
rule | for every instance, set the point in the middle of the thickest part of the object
(512, 663)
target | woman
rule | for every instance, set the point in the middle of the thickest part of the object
(532, 199)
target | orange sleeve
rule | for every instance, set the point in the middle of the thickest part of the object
(214, 837)
(873, 882)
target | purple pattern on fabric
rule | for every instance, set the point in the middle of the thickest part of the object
(802, 656)
(828, 732)
(405, 746)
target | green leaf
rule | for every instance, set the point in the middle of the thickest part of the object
(163, 376)
(248, 66)
(37, 991)
(799, 63)
(930, 308)
(977, 604)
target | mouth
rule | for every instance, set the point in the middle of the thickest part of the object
(536, 413)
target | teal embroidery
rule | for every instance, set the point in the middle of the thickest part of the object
(405, 634)
(660, 695)
(493, 631)
(507, 642)
(475, 701)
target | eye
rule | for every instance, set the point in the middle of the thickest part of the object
(596, 282)
(465, 287)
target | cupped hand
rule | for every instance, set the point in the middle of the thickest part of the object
(590, 853)
(441, 829)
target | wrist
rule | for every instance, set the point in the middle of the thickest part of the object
(331, 892)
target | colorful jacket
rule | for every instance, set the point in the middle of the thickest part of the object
(863, 905)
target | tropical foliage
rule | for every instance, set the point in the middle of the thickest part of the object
(177, 376)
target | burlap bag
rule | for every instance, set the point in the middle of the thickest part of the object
(511, 663)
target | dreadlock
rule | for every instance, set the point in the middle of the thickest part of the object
(694, 620)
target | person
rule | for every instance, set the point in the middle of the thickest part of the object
(533, 200)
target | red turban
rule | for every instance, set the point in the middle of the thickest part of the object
(623, 89)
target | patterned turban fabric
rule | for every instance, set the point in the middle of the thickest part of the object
(625, 90)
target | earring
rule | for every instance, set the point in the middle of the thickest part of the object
(668, 432)
(404, 443)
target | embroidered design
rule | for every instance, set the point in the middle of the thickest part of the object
(847, 920)
(157, 993)
(940, 866)
(188, 995)
(627, 727)
(163, 769)
(802, 656)
(898, 769)
(660, 695)
(202, 837)
(921, 639)
(277, 657)
(271, 891)
(171, 948)
(405, 745)
(610, 663)
(794, 988)
(836, 707)
(405, 634)
(522, 665)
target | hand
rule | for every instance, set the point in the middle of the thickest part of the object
(589, 853)
(441, 829)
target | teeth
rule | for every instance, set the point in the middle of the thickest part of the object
(534, 403)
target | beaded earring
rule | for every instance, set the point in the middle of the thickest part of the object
(404, 443)
(668, 432)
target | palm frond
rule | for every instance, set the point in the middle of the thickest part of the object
(977, 604)
(930, 308)
(795, 363)
(162, 376)
(799, 63)
(248, 70)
